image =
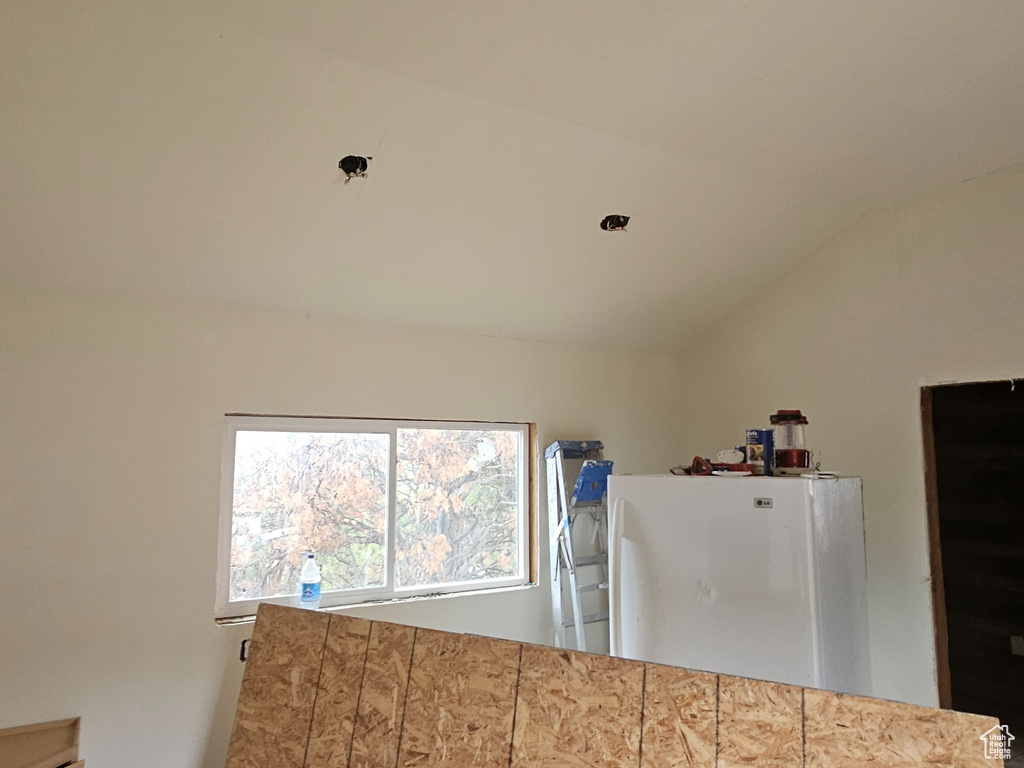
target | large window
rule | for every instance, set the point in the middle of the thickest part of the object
(390, 508)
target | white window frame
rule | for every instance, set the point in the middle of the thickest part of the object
(227, 609)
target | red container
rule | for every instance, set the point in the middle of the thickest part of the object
(792, 458)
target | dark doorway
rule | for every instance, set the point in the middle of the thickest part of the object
(974, 444)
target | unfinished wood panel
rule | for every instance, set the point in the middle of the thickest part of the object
(759, 723)
(577, 710)
(378, 723)
(460, 701)
(275, 705)
(39, 744)
(850, 732)
(680, 718)
(462, 695)
(341, 674)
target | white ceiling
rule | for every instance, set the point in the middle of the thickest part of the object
(189, 149)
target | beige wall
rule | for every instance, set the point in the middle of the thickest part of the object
(924, 293)
(112, 415)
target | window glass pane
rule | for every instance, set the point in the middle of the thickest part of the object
(457, 506)
(307, 491)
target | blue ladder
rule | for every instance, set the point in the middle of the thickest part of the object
(581, 463)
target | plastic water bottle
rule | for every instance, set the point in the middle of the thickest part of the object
(310, 578)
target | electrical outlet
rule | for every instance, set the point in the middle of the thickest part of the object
(762, 503)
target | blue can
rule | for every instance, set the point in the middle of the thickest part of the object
(761, 450)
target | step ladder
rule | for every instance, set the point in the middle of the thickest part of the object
(577, 488)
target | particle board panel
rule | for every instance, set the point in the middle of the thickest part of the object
(325, 691)
(680, 719)
(39, 744)
(577, 710)
(378, 724)
(759, 724)
(462, 696)
(275, 704)
(341, 676)
(850, 732)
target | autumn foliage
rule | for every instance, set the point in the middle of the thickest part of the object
(456, 508)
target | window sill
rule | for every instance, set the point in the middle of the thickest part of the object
(250, 618)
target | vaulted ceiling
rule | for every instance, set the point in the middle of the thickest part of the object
(189, 150)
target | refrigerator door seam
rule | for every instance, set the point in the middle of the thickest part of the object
(817, 636)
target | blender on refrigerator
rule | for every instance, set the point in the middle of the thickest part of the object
(791, 454)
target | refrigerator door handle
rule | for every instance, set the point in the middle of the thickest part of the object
(615, 577)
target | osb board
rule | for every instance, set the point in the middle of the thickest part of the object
(759, 724)
(275, 704)
(847, 731)
(680, 722)
(337, 695)
(461, 701)
(39, 744)
(325, 691)
(378, 724)
(577, 710)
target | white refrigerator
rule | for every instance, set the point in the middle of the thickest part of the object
(760, 577)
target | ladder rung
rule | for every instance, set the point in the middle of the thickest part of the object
(591, 560)
(587, 506)
(573, 449)
(592, 587)
(588, 618)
